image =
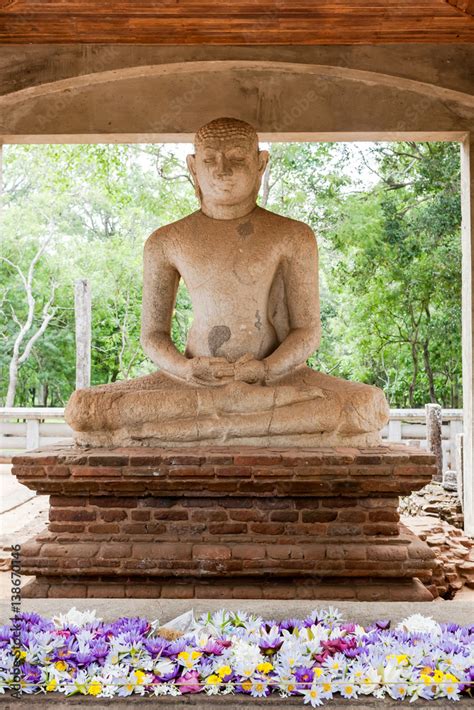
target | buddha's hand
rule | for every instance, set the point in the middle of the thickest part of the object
(210, 371)
(248, 369)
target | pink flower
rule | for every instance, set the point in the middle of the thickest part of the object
(189, 682)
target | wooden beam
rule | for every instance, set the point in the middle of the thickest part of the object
(241, 22)
(463, 5)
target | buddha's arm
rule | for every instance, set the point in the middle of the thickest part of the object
(300, 274)
(160, 284)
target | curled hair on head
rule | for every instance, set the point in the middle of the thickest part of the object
(226, 127)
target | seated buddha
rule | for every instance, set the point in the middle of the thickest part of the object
(252, 277)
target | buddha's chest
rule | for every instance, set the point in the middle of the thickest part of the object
(228, 261)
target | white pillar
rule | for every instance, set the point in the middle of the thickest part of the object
(82, 308)
(467, 198)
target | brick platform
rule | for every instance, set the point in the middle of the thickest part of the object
(249, 523)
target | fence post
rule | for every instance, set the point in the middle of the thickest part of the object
(82, 309)
(32, 434)
(459, 466)
(394, 430)
(433, 436)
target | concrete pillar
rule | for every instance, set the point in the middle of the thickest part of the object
(467, 198)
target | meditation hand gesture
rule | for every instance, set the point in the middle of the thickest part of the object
(217, 371)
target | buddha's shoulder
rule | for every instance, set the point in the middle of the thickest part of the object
(286, 226)
(172, 233)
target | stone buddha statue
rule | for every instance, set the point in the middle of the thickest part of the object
(252, 277)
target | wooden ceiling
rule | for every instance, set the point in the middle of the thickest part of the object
(238, 22)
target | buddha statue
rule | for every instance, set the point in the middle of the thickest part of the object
(252, 277)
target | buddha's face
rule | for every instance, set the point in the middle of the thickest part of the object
(227, 171)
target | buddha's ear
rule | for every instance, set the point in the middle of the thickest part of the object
(263, 157)
(191, 163)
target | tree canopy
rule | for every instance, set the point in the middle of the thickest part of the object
(386, 216)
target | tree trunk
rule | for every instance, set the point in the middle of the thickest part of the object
(414, 355)
(429, 371)
(13, 379)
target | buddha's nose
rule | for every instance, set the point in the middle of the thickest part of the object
(223, 166)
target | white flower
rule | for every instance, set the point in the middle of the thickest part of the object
(74, 617)
(369, 681)
(314, 696)
(163, 667)
(259, 688)
(419, 624)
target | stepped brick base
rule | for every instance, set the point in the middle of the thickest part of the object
(229, 523)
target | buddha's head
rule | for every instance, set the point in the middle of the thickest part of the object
(227, 166)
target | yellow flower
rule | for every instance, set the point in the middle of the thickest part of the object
(195, 654)
(22, 654)
(327, 687)
(60, 665)
(438, 676)
(402, 658)
(451, 677)
(247, 685)
(265, 667)
(427, 679)
(213, 680)
(95, 687)
(317, 672)
(183, 656)
(224, 670)
(140, 676)
(52, 684)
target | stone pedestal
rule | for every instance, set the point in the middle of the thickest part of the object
(227, 522)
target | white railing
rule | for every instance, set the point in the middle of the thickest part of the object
(23, 428)
(409, 426)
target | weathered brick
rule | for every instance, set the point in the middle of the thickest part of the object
(132, 528)
(111, 501)
(227, 528)
(284, 516)
(119, 550)
(284, 552)
(103, 528)
(318, 516)
(67, 527)
(112, 515)
(250, 552)
(387, 552)
(234, 471)
(257, 459)
(211, 552)
(383, 516)
(344, 529)
(208, 516)
(96, 472)
(72, 515)
(314, 551)
(253, 514)
(380, 529)
(267, 528)
(170, 514)
(351, 516)
(140, 515)
(68, 501)
(163, 550)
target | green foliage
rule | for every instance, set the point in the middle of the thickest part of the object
(387, 220)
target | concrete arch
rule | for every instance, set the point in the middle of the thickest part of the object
(278, 97)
